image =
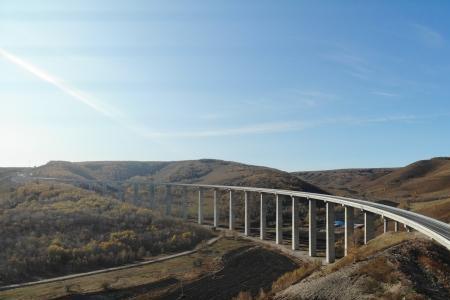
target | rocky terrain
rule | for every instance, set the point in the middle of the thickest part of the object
(412, 269)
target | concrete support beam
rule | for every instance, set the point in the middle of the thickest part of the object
(349, 228)
(295, 223)
(279, 220)
(396, 228)
(231, 216)
(184, 203)
(369, 228)
(262, 218)
(312, 227)
(216, 210)
(385, 224)
(168, 200)
(330, 254)
(246, 215)
(200, 206)
(407, 228)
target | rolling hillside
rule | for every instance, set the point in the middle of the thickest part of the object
(344, 182)
(423, 186)
(425, 180)
(206, 171)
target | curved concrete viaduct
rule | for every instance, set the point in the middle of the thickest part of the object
(434, 229)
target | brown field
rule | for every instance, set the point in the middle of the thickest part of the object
(231, 264)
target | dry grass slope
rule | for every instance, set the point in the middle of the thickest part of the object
(207, 171)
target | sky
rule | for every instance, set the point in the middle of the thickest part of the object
(294, 85)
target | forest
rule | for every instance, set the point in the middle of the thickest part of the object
(52, 229)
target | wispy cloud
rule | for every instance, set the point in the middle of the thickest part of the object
(262, 128)
(80, 96)
(288, 126)
(65, 88)
(310, 98)
(355, 65)
(250, 129)
(385, 94)
(429, 36)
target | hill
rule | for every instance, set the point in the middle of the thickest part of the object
(344, 182)
(207, 171)
(53, 229)
(423, 186)
(424, 180)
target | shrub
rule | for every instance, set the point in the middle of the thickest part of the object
(295, 276)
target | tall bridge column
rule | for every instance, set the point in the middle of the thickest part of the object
(246, 215)
(368, 227)
(231, 217)
(312, 216)
(385, 224)
(330, 250)
(407, 228)
(184, 203)
(262, 218)
(396, 226)
(168, 200)
(279, 220)
(216, 210)
(349, 228)
(295, 232)
(200, 206)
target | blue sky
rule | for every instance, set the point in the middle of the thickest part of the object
(296, 85)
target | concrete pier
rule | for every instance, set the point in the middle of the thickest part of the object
(246, 215)
(407, 228)
(369, 230)
(231, 217)
(262, 218)
(330, 254)
(295, 223)
(385, 224)
(184, 203)
(216, 209)
(312, 216)
(279, 220)
(349, 228)
(200, 206)
(396, 228)
(168, 200)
